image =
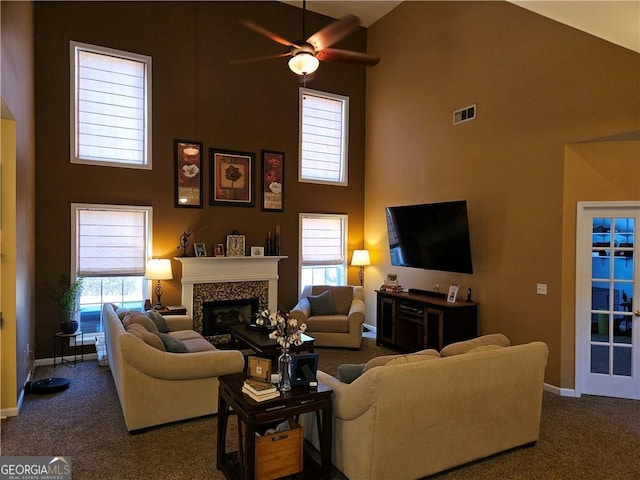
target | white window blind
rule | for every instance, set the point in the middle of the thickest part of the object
(111, 107)
(322, 240)
(111, 242)
(323, 137)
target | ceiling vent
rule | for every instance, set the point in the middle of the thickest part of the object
(464, 114)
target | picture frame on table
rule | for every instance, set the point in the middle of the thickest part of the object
(453, 293)
(200, 249)
(218, 250)
(272, 191)
(188, 173)
(235, 245)
(231, 178)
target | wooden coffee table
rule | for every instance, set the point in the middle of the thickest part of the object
(259, 341)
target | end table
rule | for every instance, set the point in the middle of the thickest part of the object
(59, 338)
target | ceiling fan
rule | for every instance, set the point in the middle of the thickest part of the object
(306, 55)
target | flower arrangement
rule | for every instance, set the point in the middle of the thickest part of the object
(286, 331)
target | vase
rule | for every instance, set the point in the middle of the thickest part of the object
(284, 370)
(69, 327)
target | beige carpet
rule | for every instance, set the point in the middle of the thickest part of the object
(586, 438)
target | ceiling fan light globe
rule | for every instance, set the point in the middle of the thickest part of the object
(303, 63)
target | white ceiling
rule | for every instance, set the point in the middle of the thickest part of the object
(615, 21)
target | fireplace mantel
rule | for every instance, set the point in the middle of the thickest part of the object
(197, 270)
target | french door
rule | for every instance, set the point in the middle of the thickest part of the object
(608, 299)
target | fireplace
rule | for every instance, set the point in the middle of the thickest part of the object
(219, 316)
(223, 280)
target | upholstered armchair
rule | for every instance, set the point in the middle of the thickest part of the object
(334, 314)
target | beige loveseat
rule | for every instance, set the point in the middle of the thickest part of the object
(342, 325)
(411, 418)
(156, 386)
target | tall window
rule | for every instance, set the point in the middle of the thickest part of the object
(323, 249)
(110, 248)
(324, 120)
(110, 107)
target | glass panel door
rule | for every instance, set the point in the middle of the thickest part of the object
(610, 362)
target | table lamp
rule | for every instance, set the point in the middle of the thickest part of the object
(158, 269)
(360, 259)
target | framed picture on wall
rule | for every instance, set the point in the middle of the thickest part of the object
(188, 173)
(231, 178)
(272, 181)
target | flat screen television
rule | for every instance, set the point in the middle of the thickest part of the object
(433, 236)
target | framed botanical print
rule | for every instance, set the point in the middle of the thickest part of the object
(235, 245)
(272, 181)
(231, 178)
(188, 173)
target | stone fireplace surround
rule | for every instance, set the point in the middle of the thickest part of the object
(213, 279)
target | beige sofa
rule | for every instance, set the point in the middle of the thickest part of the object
(342, 327)
(156, 386)
(409, 419)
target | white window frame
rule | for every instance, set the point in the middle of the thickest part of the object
(345, 226)
(92, 338)
(344, 160)
(74, 48)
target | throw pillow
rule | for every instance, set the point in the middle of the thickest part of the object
(147, 337)
(348, 372)
(459, 348)
(171, 344)
(159, 320)
(141, 318)
(322, 304)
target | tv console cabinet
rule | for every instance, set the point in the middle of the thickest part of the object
(415, 321)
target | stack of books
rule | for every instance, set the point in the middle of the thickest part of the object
(260, 391)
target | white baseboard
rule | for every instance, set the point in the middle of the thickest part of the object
(69, 358)
(563, 392)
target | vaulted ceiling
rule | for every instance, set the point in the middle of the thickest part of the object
(615, 21)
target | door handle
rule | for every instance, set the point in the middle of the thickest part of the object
(637, 313)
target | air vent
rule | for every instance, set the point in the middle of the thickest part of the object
(464, 114)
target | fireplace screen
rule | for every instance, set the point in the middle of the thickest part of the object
(219, 316)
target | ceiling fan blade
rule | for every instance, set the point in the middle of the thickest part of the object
(259, 59)
(334, 55)
(333, 32)
(267, 33)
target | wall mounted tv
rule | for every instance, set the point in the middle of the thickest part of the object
(433, 236)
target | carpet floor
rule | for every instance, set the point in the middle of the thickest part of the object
(580, 438)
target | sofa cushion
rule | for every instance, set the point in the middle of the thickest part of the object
(183, 335)
(198, 345)
(172, 344)
(159, 320)
(484, 348)
(328, 323)
(459, 348)
(140, 318)
(122, 312)
(390, 360)
(322, 304)
(147, 337)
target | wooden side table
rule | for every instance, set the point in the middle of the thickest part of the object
(295, 402)
(59, 338)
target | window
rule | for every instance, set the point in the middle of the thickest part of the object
(323, 249)
(110, 245)
(110, 107)
(324, 118)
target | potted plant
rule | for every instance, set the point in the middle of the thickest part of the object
(67, 301)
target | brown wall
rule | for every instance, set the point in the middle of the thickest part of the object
(198, 96)
(538, 86)
(17, 95)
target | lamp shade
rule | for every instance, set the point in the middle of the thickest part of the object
(360, 258)
(303, 63)
(159, 269)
